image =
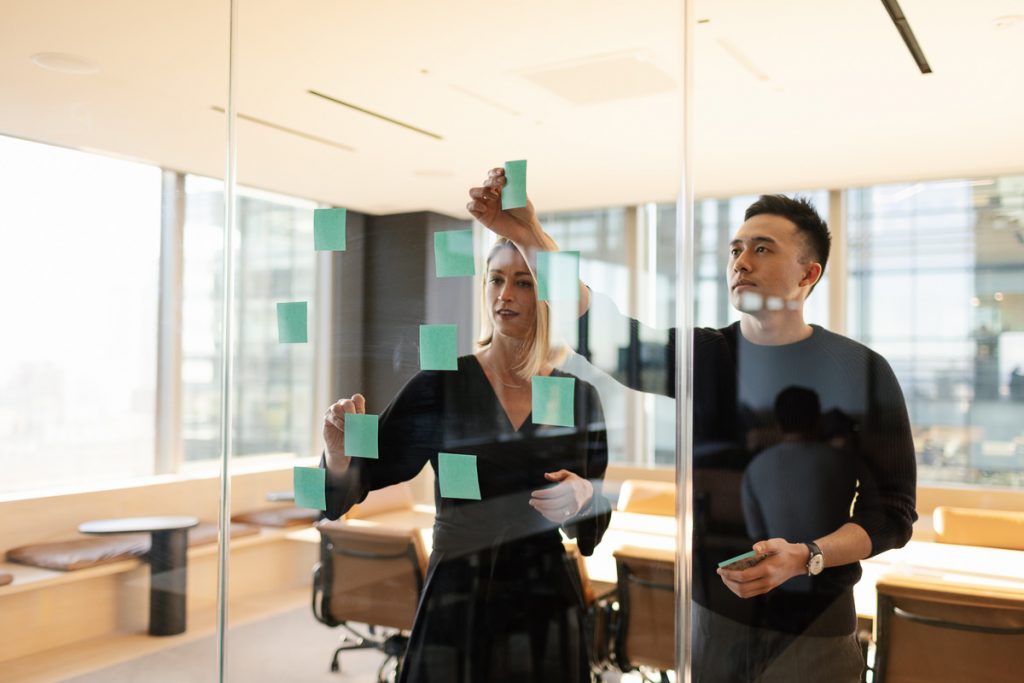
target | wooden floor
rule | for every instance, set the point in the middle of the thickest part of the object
(90, 656)
(269, 639)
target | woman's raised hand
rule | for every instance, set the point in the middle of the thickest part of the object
(519, 225)
(334, 427)
(565, 499)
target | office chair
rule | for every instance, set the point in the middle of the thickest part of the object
(368, 582)
(645, 624)
(933, 630)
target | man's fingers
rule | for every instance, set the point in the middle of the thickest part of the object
(360, 403)
(560, 475)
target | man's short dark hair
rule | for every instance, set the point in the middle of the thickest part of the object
(800, 212)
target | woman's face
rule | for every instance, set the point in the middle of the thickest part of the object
(510, 294)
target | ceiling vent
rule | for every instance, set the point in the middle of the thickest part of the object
(603, 79)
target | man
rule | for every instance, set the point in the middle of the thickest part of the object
(749, 624)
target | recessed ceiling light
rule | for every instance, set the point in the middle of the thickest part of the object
(65, 63)
(1008, 21)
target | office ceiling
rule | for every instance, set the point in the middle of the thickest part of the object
(787, 94)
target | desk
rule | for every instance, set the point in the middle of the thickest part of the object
(954, 564)
(168, 564)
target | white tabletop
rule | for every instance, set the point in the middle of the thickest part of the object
(129, 525)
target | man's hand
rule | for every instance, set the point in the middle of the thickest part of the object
(785, 560)
(334, 430)
(563, 500)
(519, 225)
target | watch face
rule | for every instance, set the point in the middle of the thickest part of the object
(815, 565)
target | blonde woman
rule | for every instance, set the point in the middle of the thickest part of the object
(499, 602)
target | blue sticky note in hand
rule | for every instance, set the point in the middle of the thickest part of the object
(309, 484)
(329, 229)
(553, 401)
(558, 275)
(438, 349)
(457, 476)
(453, 253)
(361, 435)
(513, 195)
(291, 322)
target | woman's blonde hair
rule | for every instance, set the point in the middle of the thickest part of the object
(538, 348)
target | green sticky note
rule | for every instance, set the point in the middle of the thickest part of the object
(309, 483)
(438, 347)
(558, 275)
(553, 401)
(329, 229)
(456, 474)
(453, 253)
(291, 322)
(361, 435)
(513, 195)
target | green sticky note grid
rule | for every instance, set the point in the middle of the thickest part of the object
(361, 435)
(558, 275)
(513, 195)
(453, 253)
(309, 485)
(553, 401)
(291, 322)
(438, 347)
(457, 477)
(329, 229)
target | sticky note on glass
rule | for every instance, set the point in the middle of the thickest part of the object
(553, 401)
(291, 322)
(453, 253)
(513, 195)
(329, 229)
(456, 474)
(361, 435)
(438, 347)
(308, 483)
(558, 275)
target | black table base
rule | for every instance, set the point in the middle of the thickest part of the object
(168, 582)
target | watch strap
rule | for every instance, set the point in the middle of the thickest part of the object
(815, 551)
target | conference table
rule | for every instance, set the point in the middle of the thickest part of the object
(955, 564)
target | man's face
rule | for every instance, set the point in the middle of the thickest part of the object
(769, 265)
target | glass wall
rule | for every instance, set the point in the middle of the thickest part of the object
(276, 404)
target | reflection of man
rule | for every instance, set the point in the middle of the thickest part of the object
(751, 631)
(823, 475)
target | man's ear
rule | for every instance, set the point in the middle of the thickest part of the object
(812, 275)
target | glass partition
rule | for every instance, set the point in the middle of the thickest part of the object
(856, 431)
(481, 433)
(109, 534)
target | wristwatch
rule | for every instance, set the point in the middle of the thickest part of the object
(816, 562)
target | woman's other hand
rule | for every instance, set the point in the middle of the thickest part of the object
(334, 430)
(565, 499)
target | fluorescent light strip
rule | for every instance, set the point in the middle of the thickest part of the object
(907, 33)
(376, 115)
(291, 131)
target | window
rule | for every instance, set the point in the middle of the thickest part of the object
(273, 383)
(937, 287)
(79, 271)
